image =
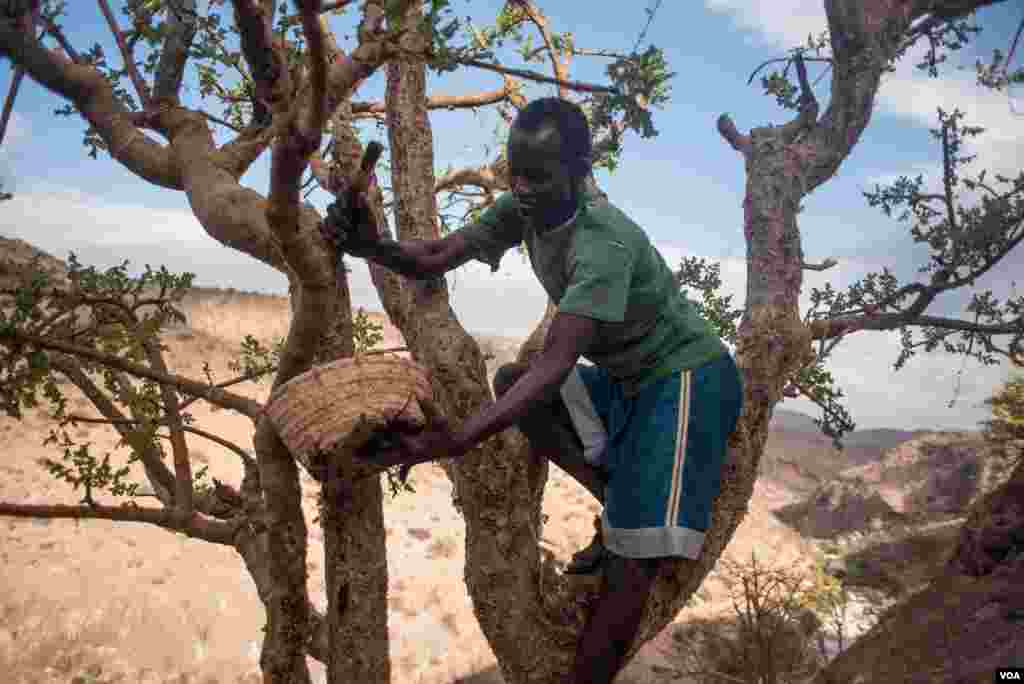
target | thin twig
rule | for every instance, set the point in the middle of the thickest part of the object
(787, 60)
(539, 77)
(19, 74)
(222, 122)
(651, 11)
(65, 44)
(1013, 48)
(126, 54)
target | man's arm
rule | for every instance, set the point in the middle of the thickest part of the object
(569, 337)
(422, 259)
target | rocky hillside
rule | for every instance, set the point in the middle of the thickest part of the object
(932, 478)
(968, 618)
(17, 258)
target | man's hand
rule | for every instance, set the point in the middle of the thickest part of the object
(400, 446)
(349, 225)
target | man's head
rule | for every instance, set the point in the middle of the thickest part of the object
(549, 152)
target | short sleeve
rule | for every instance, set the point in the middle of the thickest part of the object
(599, 282)
(498, 229)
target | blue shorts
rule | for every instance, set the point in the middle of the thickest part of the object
(663, 451)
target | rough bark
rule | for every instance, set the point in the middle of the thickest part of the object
(355, 551)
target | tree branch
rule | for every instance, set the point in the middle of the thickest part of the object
(228, 383)
(90, 92)
(808, 102)
(269, 73)
(174, 422)
(126, 54)
(833, 327)
(222, 122)
(447, 101)
(865, 52)
(235, 402)
(197, 526)
(181, 30)
(159, 475)
(304, 250)
(738, 141)
(538, 19)
(12, 94)
(62, 40)
(191, 429)
(488, 177)
(317, 62)
(579, 86)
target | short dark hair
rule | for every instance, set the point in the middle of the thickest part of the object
(571, 122)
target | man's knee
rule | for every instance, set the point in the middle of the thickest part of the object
(507, 376)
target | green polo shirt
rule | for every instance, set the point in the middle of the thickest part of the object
(600, 264)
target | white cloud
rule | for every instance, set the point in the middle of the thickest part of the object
(784, 23)
(57, 215)
(907, 93)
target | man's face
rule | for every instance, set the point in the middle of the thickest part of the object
(541, 181)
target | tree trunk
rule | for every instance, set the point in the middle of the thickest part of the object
(355, 552)
(532, 616)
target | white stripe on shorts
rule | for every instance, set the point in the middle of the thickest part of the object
(679, 462)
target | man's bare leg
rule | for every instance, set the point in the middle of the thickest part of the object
(551, 435)
(616, 619)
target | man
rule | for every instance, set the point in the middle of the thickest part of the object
(645, 428)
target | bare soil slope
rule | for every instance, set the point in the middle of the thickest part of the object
(136, 604)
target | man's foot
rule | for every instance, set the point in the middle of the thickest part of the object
(589, 560)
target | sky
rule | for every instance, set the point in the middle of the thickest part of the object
(685, 187)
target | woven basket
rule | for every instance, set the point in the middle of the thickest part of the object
(326, 413)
